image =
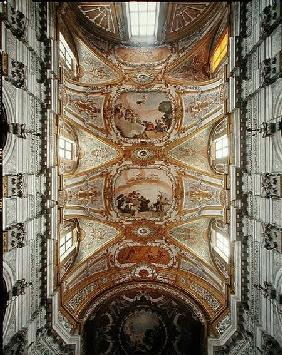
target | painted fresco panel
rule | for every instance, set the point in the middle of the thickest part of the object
(146, 115)
(143, 193)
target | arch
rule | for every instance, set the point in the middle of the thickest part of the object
(278, 278)
(4, 128)
(172, 321)
(10, 116)
(278, 286)
(173, 291)
(9, 280)
(277, 145)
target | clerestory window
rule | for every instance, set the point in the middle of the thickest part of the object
(66, 53)
(219, 53)
(66, 243)
(221, 147)
(142, 20)
(66, 148)
(221, 245)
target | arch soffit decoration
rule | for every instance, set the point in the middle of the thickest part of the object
(79, 315)
(11, 114)
(10, 280)
(77, 300)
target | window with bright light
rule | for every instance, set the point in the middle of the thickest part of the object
(221, 147)
(66, 243)
(66, 148)
(221, 245)
(66, 53)
(142, 20)
(219, 53)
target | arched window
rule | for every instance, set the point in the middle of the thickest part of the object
(66, 54)
(219, 147)
(219, 52)
(68, 243)
(220, 239)
(142, 18)
(221, 245)
(66, 148)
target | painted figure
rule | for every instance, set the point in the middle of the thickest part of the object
(134, 203)
(145, 116)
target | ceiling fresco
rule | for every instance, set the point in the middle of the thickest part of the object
(93, 70)
(145, 115)
(192, 66)
(194, 235)
(86, 108)
(142, 192)
(193, 151)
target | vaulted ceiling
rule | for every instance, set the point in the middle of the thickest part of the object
(177, 20)
(142, 192)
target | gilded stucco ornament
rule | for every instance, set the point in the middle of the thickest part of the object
(144, 78)
(144, 209)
